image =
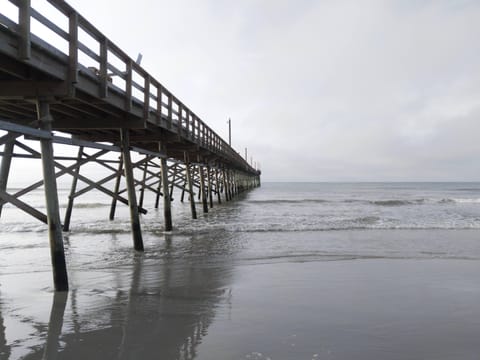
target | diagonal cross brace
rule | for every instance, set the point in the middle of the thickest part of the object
(57, 175)
(23, 206)
(114, 175)
(137, 182)
(71, 170)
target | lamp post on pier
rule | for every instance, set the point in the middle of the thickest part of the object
(229, 132)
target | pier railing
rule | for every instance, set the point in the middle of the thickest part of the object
(60, 73)
(89, 54)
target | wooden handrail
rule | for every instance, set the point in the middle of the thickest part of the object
(167, 106)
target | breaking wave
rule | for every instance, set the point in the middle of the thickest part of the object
(289, 201)
(376, 202)
(90, 205)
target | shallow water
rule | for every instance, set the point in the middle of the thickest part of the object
(285, 273)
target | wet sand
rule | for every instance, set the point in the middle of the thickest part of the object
(361, 309)
(157, 306)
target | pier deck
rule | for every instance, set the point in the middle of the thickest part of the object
(87, 88)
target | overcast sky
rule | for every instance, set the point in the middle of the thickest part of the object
(319, 90)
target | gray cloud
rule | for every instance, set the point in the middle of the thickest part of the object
(330, 90)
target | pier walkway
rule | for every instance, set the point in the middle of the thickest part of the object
(81, 90)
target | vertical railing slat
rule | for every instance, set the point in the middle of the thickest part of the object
(128, 86)
(180, 119)
(146, 97)
(192, 131)
(170, 111)
(73, 46)
(159, 103)
(24, 12)
(103, 67)
(187, 125)
(72, 52)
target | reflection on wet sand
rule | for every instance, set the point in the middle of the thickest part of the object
(4, 348)
(163, 313)
(55, 325)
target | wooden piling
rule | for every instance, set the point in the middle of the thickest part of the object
(230, 185)
(182, 198)
(234, 183)
(73, 189)
(159, 188)
(209, 183)
(172, 183)
(225, 185)
(116, 189)
(218, 186)
(190, 188)
(5, 167)
(197, 169)
(167, 211)
(57, 252)
(202, 189)
(132, 198)
(144, 179)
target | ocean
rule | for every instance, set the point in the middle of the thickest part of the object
(286, 271)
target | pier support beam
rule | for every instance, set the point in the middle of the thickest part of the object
(235, 183)
(230, 185)
(218, 186)
(71, 197)
(225, 186)
(199, 185)
(167, 206)
(202, 189)
(116, 189)
(209, 182)
(231, 180)
(172, 184)
(190, 188)
(57, 252)
(182, 198)
(5, 167)
(132, 198)
(142, 189)
(159, 188)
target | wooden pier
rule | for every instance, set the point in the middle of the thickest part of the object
(52, 94)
